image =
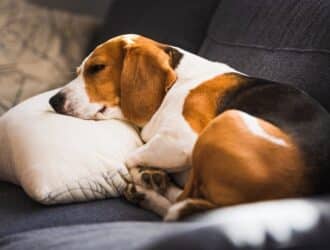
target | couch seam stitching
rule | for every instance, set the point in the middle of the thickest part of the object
(296, 50)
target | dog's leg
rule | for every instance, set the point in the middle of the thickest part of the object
(172, 192)
(157, 180)
(147, 198)
(150, 178)
(162, 151)
(187, 207)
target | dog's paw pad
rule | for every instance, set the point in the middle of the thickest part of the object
(131, 194)
(154, 179)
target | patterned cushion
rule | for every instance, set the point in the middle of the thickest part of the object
(39, 48)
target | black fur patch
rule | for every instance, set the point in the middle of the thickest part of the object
(175, 56)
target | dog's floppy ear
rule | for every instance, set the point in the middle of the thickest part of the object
(175, 56)
(146, 76)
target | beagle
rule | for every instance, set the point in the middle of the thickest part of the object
(228, 138)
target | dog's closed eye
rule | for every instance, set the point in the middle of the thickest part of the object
(96, 68)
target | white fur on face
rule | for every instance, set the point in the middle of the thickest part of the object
(77, 103)
(110, 113)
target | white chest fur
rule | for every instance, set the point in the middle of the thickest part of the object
(170, 138)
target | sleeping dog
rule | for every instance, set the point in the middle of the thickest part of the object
(227, 137)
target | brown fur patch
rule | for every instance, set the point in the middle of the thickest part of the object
(232, 165)
(201, 104)
(192, 206)
(146, 76)
(104, 86)
(132, 75)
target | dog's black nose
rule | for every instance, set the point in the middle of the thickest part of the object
(57, 102)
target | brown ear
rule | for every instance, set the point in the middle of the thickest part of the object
(145, 78)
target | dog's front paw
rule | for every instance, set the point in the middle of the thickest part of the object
(154, 179)
(132, 195)
(150, 178)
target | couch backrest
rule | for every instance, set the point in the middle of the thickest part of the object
(283, 40)
(178, 22)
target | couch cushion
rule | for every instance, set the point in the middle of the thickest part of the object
(178, 22)
(285, 40)
(288, 224)
(19, 213)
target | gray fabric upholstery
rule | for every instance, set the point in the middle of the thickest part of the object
(19, 213)
(286, 41)
(291, 224)
(177, 22)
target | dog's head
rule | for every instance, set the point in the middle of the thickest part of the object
(126, 77)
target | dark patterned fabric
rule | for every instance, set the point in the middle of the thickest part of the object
(285, 40)
(39, 49)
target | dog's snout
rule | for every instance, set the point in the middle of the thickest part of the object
(57, 102)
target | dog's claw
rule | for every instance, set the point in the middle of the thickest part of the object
(132, 195)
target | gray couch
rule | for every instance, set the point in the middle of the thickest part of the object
(284, 40)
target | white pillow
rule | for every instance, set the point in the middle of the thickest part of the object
(61, 159)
